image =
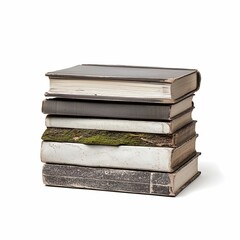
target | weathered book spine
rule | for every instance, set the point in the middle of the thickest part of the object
(163, 159)
(106, 109)
(121, 125)
(53, 121)
(114, 138)
(144, 182)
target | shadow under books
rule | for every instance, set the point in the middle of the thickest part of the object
(210, 177)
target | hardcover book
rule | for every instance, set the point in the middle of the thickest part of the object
(122, 180)
(123, 83)
(165, 159)
(119, 110)
(111, 138)
(121, 125)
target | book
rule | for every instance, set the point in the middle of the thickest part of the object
(121, 180)
(119, 110)
(111, 138)
(165, 159)
(122, 125)
(123, 83)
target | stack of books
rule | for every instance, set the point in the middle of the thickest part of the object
(120, 128)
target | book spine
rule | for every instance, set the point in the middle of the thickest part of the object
(107, 109)
(183, 152)
(110, 138)
(183, 134)
(108, 124)
(114, 138)
(126, 157)
(107, 179)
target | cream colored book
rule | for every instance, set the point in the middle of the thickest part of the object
(121, 125)
(165, 159)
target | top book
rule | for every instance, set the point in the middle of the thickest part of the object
(123, 83)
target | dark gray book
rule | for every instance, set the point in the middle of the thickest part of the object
(123, 83)
(109, 179)
(120, 110)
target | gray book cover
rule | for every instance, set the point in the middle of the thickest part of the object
(120, 110)
(132, 181)
(183, 82)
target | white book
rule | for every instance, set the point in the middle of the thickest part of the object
(119, 125)
(164, 159)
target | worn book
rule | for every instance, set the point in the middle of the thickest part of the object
(123, 83)
(165, 159)
(122, 180)
(119, 110)
(114, 138)
(121, 125)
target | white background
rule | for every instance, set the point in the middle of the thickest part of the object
(41, 36)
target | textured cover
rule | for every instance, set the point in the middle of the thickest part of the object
(163, 159)
(113, 138)
(104, 109)
(144, 182)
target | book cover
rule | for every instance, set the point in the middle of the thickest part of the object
(114, 138)
(122, 125)
(122, 180)
(165, 159)
(123, 83)
(119, 110)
